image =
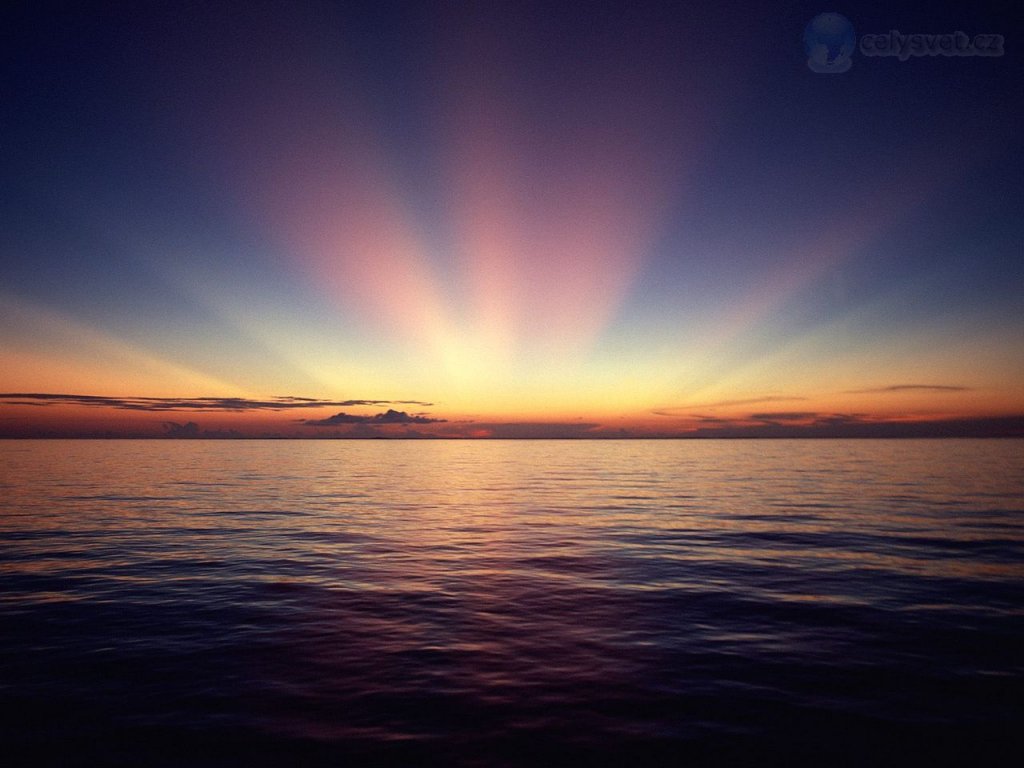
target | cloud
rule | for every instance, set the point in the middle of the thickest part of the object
(784, 416)
(532, 430)
(841, 419)
(388, 417)
(191, 430)
(909, 388)
(687, 410)
(845, 425)
(173, 429)
(349, 403)
(675, 410)
(163, 404)
(813, 419)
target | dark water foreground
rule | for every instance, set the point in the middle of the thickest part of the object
(511, 603)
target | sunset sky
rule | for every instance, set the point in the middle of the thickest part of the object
(505, 220)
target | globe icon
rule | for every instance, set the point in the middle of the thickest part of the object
(829, 42)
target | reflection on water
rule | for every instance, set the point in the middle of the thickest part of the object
(510, 603)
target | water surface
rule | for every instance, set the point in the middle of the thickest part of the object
(511, 602)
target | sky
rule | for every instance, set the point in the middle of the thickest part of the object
(550, 219)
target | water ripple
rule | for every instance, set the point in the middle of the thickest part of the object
(511, 603)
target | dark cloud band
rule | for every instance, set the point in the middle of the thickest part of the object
(388, 417)
(909, 388)
(164, 404)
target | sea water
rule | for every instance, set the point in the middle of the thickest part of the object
(633, 602)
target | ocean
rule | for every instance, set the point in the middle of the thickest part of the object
(511, 603)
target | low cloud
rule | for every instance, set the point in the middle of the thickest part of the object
(164, 404)
(909, 388)
(812, 419)
(349, 403)
(533, 430)
(704, 419)
(173, 429)
(677, 410)
(388, 417)
(191, 430)
(852, 425)
(784, 416)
